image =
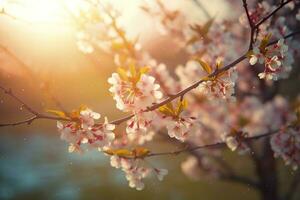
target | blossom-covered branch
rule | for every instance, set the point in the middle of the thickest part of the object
(199, 107)
(195, 85)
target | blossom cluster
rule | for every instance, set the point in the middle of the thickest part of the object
(235, 140)
(85, 131)
(286, 144)
(135, 172)
(134, 90)
(219, 87)
(177, 122)
(276, 59)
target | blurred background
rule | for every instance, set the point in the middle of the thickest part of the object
(39, 60)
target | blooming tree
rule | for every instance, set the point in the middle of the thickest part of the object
(222, 96)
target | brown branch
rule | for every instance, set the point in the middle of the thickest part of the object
(286, 37)
(245, 5)
(213, 145)
(10, 93)
(227, 173)
(252, 26)
(36, 115)
(26, 121)
(231, 175)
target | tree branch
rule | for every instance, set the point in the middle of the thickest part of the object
(36, 115)
(213, 145)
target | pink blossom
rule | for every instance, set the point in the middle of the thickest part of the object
(286, 144)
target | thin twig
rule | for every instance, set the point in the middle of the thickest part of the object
(31, 74)
(241, 179)
(27, 107)
(119, 32)
(202, 7)
(36, 114)
(225, 171)
(213, 145)
(282, 4)
(252, 26)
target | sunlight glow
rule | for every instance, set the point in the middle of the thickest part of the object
(48, 11)
(37, 11)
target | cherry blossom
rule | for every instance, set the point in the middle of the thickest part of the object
(138, 127)
(276, 59)
(134, 90)
(160, 173)
(260, 10)
(86, 131)
(235, 140)
(220, 87)
(190, 168)
(178, 124)
(286, 144)
(135, 172)
(88, 118)
(201, 167)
